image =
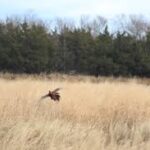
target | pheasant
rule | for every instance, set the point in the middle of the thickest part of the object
(54, 95)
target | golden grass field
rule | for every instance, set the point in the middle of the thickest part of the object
(93, 114)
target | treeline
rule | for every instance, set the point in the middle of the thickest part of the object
(32, 46)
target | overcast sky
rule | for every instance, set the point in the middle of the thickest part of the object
(74, 8)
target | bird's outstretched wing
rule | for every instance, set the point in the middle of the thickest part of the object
(54, 91)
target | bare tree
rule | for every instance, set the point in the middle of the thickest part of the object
(94, 25)
(63, 25)
(84, 22)
(119, 23)
(137, 26)
(97, 25)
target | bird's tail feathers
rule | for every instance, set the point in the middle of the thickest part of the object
(43, 97)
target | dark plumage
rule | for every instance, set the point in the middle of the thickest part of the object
(54, 95)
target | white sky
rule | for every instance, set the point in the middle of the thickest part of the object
(74, 8)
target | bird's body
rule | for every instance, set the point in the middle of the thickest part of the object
(54, 95)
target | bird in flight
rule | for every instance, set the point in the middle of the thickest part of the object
(54, 95)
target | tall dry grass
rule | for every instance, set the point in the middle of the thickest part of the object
(93, 114)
